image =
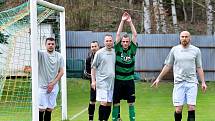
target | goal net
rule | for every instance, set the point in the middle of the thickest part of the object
(16, 81)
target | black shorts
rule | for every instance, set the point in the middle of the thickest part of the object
(124, 90)
(92, 94)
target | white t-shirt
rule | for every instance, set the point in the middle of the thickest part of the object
(104, 63)
(49, 66)
(184, 62)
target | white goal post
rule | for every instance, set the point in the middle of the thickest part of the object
(34, 64)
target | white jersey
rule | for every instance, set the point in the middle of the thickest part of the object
(104, 63)
(184, 62)
(49, 66)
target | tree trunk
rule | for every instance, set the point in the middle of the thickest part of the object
(209, 13)
(162, 17)
(184, 10)
(94, 2)
(192, 12)
(157, 15)
(147, 16)
(174, 16)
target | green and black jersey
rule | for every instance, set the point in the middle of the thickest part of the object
(125, 61)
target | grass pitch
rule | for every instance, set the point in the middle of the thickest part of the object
(152, 104)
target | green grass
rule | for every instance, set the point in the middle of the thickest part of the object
(152, 104)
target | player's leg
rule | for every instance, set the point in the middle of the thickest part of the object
(119, 118)
(47, 116)
(178, 97)
(105, 99)
(116, 100)
(43, 103)
(91, 107)
(191, 100)
(178, 113)
(52, 96)
(131, 98)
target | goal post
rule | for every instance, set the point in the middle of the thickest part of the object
(33, 21)
(23, 30)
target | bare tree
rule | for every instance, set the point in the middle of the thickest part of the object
(174, 16)
(184, 10)
(192, 12)
(162, 17)
(209, 13)
(147, 16)
(130, 2)
(157, 15)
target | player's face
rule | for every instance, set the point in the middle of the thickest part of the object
(108, 42)
(185, 38)
(125, 42)
(94, 47)
(50, 46)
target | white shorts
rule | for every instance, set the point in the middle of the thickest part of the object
(104, 95)
(48, 100)
(184, 93)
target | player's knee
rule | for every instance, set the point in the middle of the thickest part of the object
(178, 109)
(191, 107)
(106, 103)
(130, 104)
(42, 110)
(92, 102)
(49, 109)
(116, 104)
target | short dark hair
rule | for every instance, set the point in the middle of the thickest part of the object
(94, 41)
(50, 39)
(108, 35)
(125, 36)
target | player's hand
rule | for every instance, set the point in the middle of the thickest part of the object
(50, 87)
(93, 85)
(125, 16)
(128, 19)
(155, 83)
(204, 87)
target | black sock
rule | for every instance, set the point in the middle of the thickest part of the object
(104, 112)
(178, 116)
(108, 111)
(41, 114)
(191, 115)
(91, 110)
(119, 113)
(47, 116)
(101, 113)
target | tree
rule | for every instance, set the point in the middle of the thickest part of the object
(209, 13)
(192, 12)
(157, 15)
(184, 10)
(162, 17)
(146, 16)
(174, 16)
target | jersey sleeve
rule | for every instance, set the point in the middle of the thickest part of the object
(170, 58)
(134, 47)
(95, 62)
(117, 46)
(88, 65)
(198, 59)
(61, 62)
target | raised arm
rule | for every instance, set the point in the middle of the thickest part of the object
(124, 18)
(134, 32)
